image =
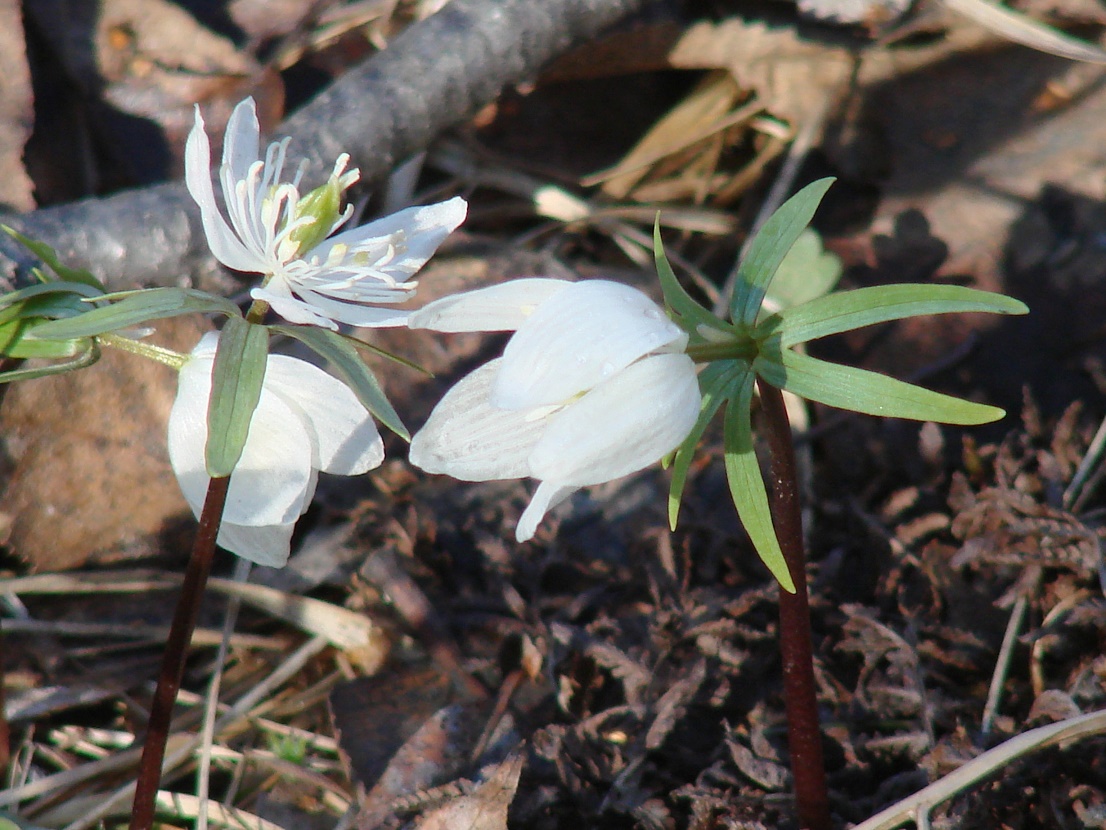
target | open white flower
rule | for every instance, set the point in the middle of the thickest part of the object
(306, 421)
(593, 386)
(283, 235)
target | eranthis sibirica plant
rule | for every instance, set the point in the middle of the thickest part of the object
(309, 276)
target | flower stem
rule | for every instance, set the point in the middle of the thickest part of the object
(168, 357)
(803, 734)
(5, 729)
(176, 650)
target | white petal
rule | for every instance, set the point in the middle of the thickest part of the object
(241, 144)
(273, 480)
(355, 314)
(502, 307)
(468, 439)
(268, 546)
(546, 497)
(620, 426)
(291, 309)
(224, 244)
(188, 429)
(207, 346)
(578, 338)
(347, 441)
(422, 229)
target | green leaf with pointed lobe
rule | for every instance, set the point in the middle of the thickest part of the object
(747, 484)
(860, 390)
(50, 258)
(681, 303)
(83, 353)
(134, 310)
(715, 381)
(848, 310)
(769, 247)
(342, 356)
(807, 272)
(16, 345)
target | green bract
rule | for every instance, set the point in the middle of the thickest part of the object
(134, 308)
(60, 292)
(236, 380)
(758, 343)
(341, 353)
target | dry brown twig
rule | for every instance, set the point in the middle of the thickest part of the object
(918, 807)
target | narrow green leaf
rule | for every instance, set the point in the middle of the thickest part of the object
(74, 289)
(675, 297)
(82, 360)
(43, 308)
(860, 390)
(236, 381)
(768, 249)
(342, 356)
(13, 313)
(136, 309)
(714, 381)
(747, 485)
(14, 343)
(399, 360)
(850, 310)
(50, 258)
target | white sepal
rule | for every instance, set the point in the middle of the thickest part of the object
(578, 338)
(546, 497)
(347, 441)
(622, 425)
(468, 439)
(225, 245)
(268, 546)
(271, 478)
(502, 307)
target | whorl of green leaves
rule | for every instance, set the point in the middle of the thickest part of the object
(758, 342)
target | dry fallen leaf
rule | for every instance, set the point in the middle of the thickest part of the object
(484, 809)
(142, 65)
(158, 60)
(792, 76)
(681, 139)
(711, 146)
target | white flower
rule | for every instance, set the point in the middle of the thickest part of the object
(276, 232)
(305, 421)
(593, 386)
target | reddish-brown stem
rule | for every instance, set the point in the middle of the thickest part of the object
(799, 690)
(176, 650)
(5, 729)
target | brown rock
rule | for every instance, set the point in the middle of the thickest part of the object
(87, 477)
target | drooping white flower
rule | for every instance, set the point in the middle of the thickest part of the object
(306, 421)
(310, 276)
(593, 386)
